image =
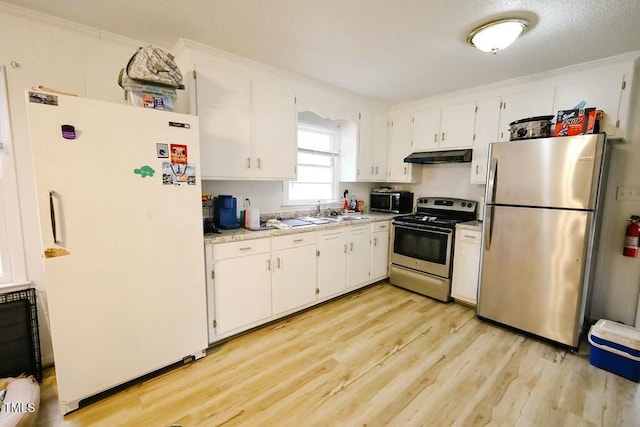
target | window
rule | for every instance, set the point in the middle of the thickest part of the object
(318, 155)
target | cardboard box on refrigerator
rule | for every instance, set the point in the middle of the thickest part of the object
(575, 122)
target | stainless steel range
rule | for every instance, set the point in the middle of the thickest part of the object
(422, 252)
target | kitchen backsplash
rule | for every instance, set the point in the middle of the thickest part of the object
(446, 180)
(267, 195)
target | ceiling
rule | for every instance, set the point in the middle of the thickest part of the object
(392, 50)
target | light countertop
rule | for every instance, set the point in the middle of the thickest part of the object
(470, 225)
(241, 234)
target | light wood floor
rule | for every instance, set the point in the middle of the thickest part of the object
(380, 356)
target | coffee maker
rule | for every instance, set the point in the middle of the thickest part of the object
(225, 214)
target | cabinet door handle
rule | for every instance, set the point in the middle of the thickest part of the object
(443, 136)
(372, 169)
(248, 162)
(405, 170)
(52, 213)
(477, 169)
(375, 241)
(345, 248)
(376, 170)
(268, 265)
(351, 246)
(435, 137)
(278, 263)
(259, 163)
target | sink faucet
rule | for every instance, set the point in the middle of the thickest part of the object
(318, 208)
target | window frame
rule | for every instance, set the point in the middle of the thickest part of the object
(335, 155)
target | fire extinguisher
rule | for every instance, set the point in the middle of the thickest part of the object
(632, 236)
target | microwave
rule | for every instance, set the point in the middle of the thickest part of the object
(391, 201)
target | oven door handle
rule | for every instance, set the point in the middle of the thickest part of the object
(443, 231)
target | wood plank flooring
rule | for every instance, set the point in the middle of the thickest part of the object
(379, 356)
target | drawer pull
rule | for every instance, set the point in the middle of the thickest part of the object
(247, 248)
(298, 240)
(469, 237)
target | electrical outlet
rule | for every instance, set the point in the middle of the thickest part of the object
(628, 193)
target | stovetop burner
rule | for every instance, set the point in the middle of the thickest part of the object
(444, 212)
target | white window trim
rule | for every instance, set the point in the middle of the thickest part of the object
(336, 171)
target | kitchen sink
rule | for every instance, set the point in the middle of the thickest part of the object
(331, 219)
(318, 219)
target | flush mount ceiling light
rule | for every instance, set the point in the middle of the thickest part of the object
(497, 35)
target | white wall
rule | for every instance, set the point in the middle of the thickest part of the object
(267, 195)
(39, 50)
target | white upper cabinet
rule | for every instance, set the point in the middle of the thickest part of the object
(274, 129)
(486, 131)
(425, 130)
(223, 104)
(443, 128)
(456, 126)
(523, 105)
(372, 146)
(602, 88)
(399, 148)
(248, 119)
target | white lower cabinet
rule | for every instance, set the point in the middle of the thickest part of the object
(379, 260)
(358, 255)
(293, 259)
(255, 281)
(466, 265)
(241, 284)
(332, 262)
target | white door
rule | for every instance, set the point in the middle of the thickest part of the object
(456, 125)
(332, 263)
(294, 278)
(399, 148)
(242, 291)
(131, 265)
(466, 264)
(358, 256)
(425, 130)
(486, 131)
(524, 105)
(274, 129)
(224, 107)
(379, 255)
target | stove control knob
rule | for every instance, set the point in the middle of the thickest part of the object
(464, 204)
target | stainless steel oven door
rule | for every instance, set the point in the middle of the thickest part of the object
(421, 248)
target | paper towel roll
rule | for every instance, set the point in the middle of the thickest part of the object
(253, 218)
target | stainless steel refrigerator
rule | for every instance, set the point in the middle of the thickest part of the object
(540, 232)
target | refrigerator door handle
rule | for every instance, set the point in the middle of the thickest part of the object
(491, 182)
(52, 213)
(488, 227)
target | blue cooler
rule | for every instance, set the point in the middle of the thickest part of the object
(615, 347)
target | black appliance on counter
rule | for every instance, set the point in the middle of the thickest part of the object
(225, 212)
(387, 200)
(422, 245)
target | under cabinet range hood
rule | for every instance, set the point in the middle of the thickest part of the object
(435, 157)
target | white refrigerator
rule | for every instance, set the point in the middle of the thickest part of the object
(119, 201)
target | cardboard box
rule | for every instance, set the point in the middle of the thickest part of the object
(148, 96)
(575, 122)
